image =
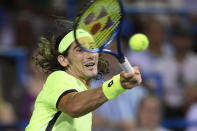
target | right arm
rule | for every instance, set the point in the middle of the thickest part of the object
(77, 104)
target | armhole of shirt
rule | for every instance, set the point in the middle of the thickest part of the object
(56, 116)
(63, 94)
(52, 121)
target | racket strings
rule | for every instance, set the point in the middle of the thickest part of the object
(104, 31)
(102, 37)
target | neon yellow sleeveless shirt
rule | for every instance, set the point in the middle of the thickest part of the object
(46, 116)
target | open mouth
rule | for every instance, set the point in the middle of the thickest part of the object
(89, 64)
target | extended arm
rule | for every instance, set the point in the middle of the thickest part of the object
(77, 104)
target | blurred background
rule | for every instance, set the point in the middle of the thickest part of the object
(167, 99)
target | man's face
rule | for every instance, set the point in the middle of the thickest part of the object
(81, 64)
(150, 113)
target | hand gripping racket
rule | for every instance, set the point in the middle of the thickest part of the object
(102, 19)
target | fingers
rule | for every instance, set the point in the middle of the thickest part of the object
(135, 81)
(131, 79)
(136, 70)
(130, 74)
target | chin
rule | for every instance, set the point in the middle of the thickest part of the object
(91, 74)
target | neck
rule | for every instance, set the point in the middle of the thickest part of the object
(85, 80)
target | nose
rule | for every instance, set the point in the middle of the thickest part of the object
(91, 55)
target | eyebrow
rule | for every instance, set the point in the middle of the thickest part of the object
(76, 47)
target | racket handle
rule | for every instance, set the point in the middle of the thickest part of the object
(125, 66)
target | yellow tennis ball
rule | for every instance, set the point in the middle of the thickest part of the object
(138, 42)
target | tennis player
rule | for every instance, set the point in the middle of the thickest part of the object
(66, 100)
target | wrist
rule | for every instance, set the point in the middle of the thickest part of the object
(113, 88)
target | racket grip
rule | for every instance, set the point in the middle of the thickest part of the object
(125, 66)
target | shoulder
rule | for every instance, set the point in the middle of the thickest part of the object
(60, 75)
(58, 78)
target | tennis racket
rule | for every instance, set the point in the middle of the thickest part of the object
(102, 19)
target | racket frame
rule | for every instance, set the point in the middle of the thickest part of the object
(124, 64)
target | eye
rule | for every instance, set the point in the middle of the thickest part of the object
(78, 49)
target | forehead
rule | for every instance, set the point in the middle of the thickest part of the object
(86, 42)
(73, 45)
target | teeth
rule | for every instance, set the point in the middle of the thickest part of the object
(90, 64)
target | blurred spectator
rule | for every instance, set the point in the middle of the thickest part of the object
(178, 71)
(7, 114)
(11, 96)
(34, 84)
(191, 115)
(20, 25)
(11, 91)
(149, 115)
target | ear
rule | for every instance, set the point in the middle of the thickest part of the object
(62, 60)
